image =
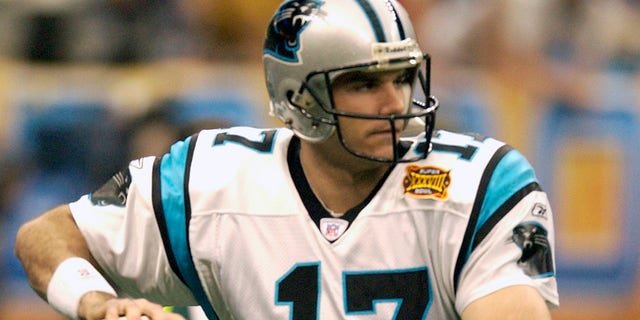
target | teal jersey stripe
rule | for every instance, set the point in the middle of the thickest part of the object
(172, 171)
(508, 178)
(173, 180)
(512, 173)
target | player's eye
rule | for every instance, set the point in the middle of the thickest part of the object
(403, 79)
(366, 85)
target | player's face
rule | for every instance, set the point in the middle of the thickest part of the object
(374, 94)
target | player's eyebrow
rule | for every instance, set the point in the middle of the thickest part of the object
(362, 76)
(354, 76)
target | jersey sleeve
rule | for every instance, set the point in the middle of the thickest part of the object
(510, 235)
(119, 225)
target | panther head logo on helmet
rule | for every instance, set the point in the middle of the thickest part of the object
(285, 27)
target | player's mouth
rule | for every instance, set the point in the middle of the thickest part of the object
(386, 131)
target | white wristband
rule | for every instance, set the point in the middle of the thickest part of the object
(72, 279)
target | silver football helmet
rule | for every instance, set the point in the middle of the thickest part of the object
(311, 42)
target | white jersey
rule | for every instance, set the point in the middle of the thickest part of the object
(228, 221)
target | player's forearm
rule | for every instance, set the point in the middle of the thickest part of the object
(43, 243)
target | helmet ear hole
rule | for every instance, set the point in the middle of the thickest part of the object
(303, 101)
(298, 102)
(290, 97)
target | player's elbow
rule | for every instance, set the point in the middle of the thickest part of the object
(37, 237)
(25, 238)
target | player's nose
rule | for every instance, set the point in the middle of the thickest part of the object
(391, 98)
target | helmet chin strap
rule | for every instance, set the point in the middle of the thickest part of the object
(395, 142)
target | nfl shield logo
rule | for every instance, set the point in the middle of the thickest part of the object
(333, 228)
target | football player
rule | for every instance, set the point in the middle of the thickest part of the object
(355, 209)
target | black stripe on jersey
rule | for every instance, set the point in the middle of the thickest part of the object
(475, 212)
(187, 176)
(502, 211)
(158, 208)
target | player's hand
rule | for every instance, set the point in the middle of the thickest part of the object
(99, 306)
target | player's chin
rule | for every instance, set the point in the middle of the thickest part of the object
(378, 152)
(376, 145)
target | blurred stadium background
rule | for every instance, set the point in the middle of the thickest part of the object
(87, 85)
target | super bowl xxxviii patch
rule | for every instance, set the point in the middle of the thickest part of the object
(426, 182)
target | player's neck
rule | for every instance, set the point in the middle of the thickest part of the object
(341, 182)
